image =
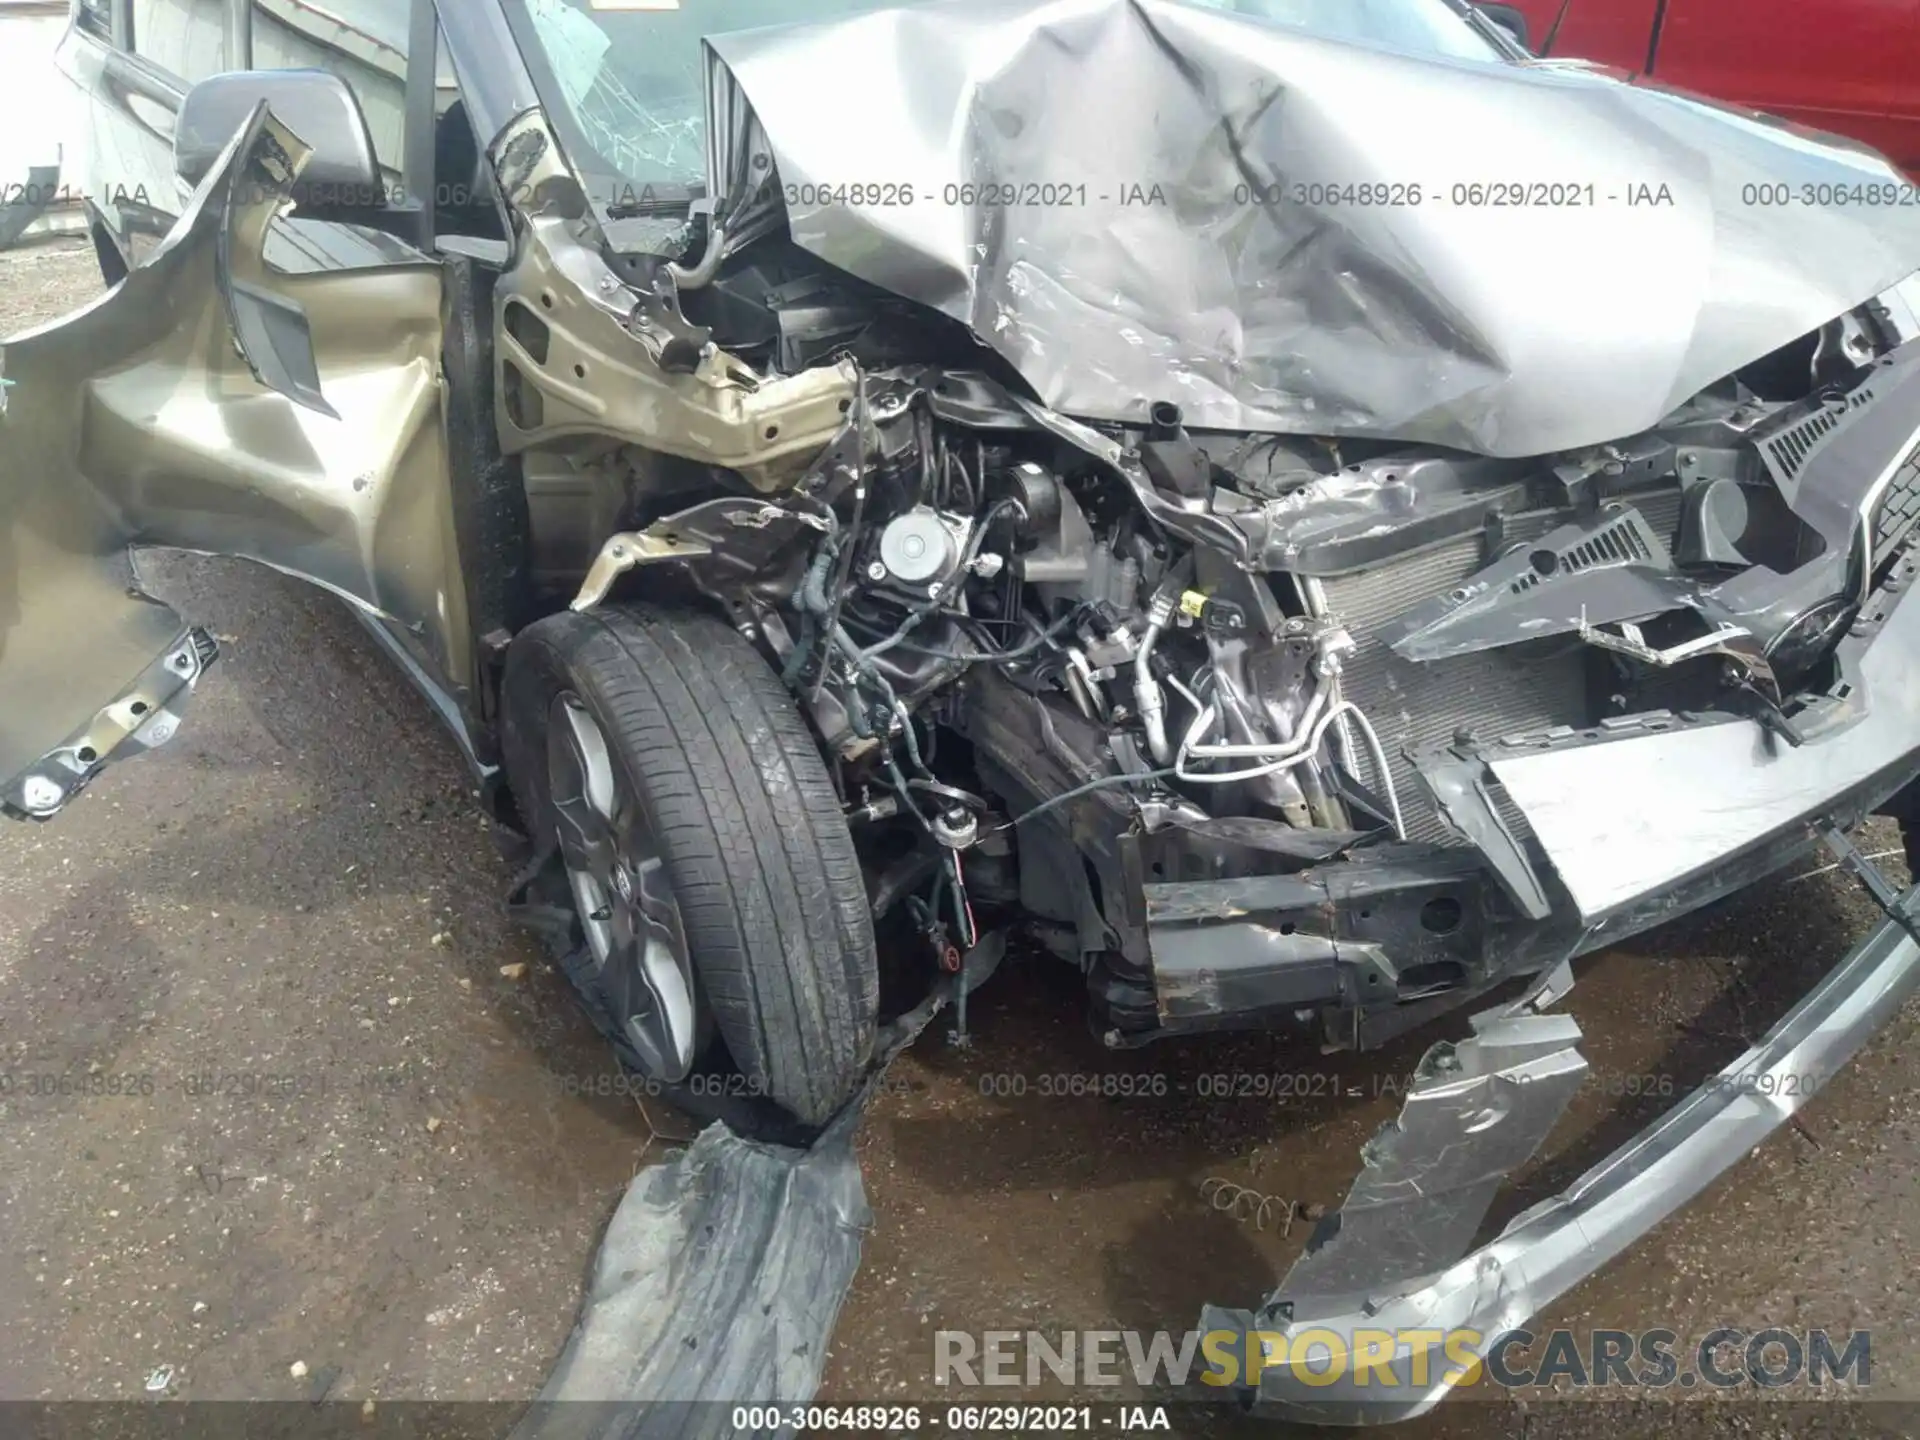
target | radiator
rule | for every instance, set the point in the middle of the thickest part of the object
(1414, 704)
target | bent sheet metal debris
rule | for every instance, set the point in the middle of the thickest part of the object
(1389, 1262)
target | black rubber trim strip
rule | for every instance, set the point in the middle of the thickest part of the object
(1659, 28)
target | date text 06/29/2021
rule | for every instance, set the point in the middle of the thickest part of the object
(1008, 1418)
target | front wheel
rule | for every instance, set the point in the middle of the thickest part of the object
(710, 866)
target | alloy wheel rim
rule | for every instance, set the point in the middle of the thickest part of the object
(620, 889)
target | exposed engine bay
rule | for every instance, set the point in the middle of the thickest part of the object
(1295, 603)
(1059, 665)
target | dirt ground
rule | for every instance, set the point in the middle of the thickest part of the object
(280, 1117)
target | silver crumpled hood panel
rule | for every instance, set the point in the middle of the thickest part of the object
(1502, 330)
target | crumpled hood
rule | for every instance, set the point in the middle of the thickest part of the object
(1175, 237)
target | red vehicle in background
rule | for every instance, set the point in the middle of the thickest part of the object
(1848, 66)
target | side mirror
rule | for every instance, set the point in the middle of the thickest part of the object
(1508, 18)
(343, 172)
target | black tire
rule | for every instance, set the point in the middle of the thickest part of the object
(755, 847)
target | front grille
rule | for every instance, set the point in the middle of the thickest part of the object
(1414, 704)
(1898, 508)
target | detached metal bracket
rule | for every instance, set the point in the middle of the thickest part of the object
(734, 529)
(1895, 902)
(1749, 697)
(143, 717)
(626, 549)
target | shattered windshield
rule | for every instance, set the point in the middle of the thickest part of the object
(628, 72)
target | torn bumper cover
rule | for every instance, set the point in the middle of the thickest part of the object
(719, 1280)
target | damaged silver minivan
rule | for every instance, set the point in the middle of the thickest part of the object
(1302, 510)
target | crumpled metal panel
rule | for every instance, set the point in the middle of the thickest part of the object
(1507, 330)
(1476, 1113)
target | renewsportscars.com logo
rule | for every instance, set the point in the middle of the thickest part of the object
(1768, 1358)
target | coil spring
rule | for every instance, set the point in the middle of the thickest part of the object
(1246, 1205)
